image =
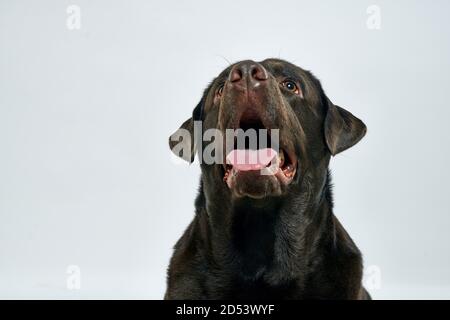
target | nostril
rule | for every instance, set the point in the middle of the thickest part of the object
(259, 73)
(236, 75)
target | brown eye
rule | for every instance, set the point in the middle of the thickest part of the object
(291, 86)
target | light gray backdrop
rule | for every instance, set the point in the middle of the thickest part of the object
(86, 179)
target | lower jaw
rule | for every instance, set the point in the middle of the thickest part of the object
(281, 177)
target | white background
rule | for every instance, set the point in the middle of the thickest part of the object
(85, 173)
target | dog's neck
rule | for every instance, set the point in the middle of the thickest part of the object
(274, 240)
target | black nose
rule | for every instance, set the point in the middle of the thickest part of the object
(249, 72)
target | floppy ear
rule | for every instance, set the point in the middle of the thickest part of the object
(182, 142)
(342, 129)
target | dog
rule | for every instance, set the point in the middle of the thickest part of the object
(267, 236)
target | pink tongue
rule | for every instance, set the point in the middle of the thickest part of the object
(245, 160)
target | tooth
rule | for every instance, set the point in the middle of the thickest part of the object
(288, 169)
(281, 158)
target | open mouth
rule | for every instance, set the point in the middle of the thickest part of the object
(248, 157)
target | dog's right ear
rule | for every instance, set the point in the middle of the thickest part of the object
(182, 142)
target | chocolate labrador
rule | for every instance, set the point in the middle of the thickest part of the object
(266, 234)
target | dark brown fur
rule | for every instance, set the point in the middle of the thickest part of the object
(289, 244)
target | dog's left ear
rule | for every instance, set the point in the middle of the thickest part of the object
(342, 129)
(182, 142)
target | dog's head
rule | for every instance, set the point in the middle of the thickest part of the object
(294, 126)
